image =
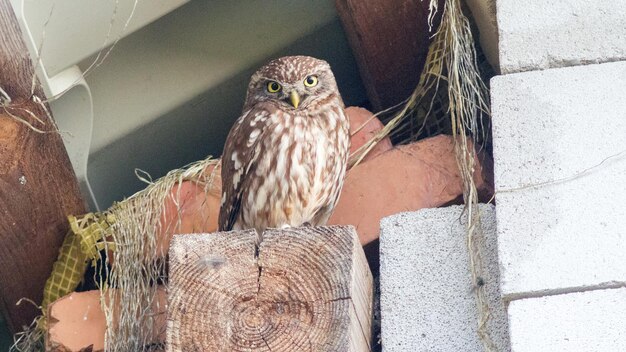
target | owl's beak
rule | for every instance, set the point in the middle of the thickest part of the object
(294, 97)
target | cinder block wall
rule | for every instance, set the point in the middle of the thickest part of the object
(559, 136)
(427, 300)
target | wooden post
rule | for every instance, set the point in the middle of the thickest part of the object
(390, 40)
(299, 289)
(38, 188)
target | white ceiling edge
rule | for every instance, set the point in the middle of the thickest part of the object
(198, 47)
(166, 94)
(68, 31)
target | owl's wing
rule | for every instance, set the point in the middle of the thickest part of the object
(238, 161)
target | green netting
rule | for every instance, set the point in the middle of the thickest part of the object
(451, 98)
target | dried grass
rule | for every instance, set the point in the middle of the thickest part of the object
(28, 117)
(138, 267)
(451, 97)
(128, 231)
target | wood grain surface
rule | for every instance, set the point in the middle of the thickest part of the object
(389, 39)
(299, 289)
(38, 188)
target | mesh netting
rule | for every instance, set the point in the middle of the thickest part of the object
(67, 271)
(451, 98)
(125, 237)
(428, 112)
(130, 289)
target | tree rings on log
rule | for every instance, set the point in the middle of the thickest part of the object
(297, 289)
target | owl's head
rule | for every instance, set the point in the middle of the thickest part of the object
(292, 82)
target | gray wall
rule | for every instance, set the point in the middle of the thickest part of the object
(168, 94)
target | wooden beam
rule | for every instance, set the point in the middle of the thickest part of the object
(389, 39)
(38, 188)
(299, 289)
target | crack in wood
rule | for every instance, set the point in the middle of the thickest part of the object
(264, 340)
(312, 284)
(257, 253)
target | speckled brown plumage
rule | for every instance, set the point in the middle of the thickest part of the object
(285, 158)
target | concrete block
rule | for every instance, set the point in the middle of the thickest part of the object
(586, 321)
(566, 125)
(540, 34)
(427, 298)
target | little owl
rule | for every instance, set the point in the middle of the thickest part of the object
(285, 158)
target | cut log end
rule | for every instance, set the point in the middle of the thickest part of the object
(304, 289)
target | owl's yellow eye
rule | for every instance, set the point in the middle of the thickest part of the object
(274, 87)
(310, 81)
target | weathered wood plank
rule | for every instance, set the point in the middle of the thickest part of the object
(38, 188)
(389, 39)
(298, 289)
